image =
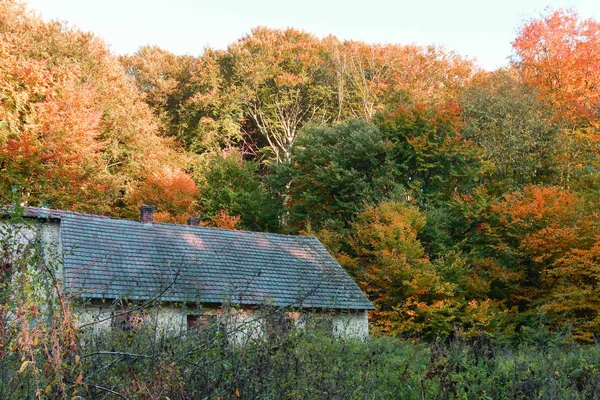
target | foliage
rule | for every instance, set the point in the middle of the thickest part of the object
(457, 225)
(315, 365)
(38, 336)
(231, 185)
(560, 54)
(370, 77)
(310, 363)
(172, 192)
(187, 95)
(434, 161)
(415, 297)
(74, 131)
(515, 129)
(281, 80)
(540, 240)
(266, 86)
(335, 173)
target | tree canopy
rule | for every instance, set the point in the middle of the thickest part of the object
(464, 202)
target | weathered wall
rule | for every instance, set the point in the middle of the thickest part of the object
(52, 249)
(241, 325)
(25, 235)
(100, 316)
(352, 324)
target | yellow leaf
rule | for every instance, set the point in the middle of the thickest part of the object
(77, 358)
(35, 341)
(237, 392)
(47, 388)
(24, 365)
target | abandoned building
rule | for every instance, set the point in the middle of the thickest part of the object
(193, 271)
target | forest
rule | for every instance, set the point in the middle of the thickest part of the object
(463, 201)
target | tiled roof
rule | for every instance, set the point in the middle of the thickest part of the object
(114, 259)
(33, 212)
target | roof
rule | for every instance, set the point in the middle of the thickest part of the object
(33, 212)
(106, 258)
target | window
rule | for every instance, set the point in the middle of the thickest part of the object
(279, 323)
(127, 320)
(200, 321)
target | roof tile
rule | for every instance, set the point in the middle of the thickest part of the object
(111, 258)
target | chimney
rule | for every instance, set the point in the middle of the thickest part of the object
(192, 221)
(146, 214)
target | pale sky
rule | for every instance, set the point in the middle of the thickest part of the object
(478, 29)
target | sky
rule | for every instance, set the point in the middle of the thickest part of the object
(478, 29)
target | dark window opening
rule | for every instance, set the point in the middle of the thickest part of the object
(126, 320)
(280, 323)
(200, 321)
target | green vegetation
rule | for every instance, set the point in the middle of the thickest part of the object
(463, 202)
(313, 364)
(46, 352)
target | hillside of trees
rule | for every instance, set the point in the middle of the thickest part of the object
(462, 201)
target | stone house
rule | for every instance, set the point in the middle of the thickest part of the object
(109, 264)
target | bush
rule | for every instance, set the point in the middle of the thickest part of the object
(308, 362)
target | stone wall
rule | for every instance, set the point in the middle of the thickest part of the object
(25, 235)
(352, 324)
(241, 324)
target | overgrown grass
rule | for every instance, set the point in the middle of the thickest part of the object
(308, 363)
(313, 364)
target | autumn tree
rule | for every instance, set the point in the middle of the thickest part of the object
(539, 256)
(365, 73)
(516, 130)
(158, 73)
(560, 54)
(429, 75)
(173, 192)
(74, 131)
(187, 95)
(415, 297)
(282, 80)
(49, 127)
(371, 77)
(576, 300)
(434, 160)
